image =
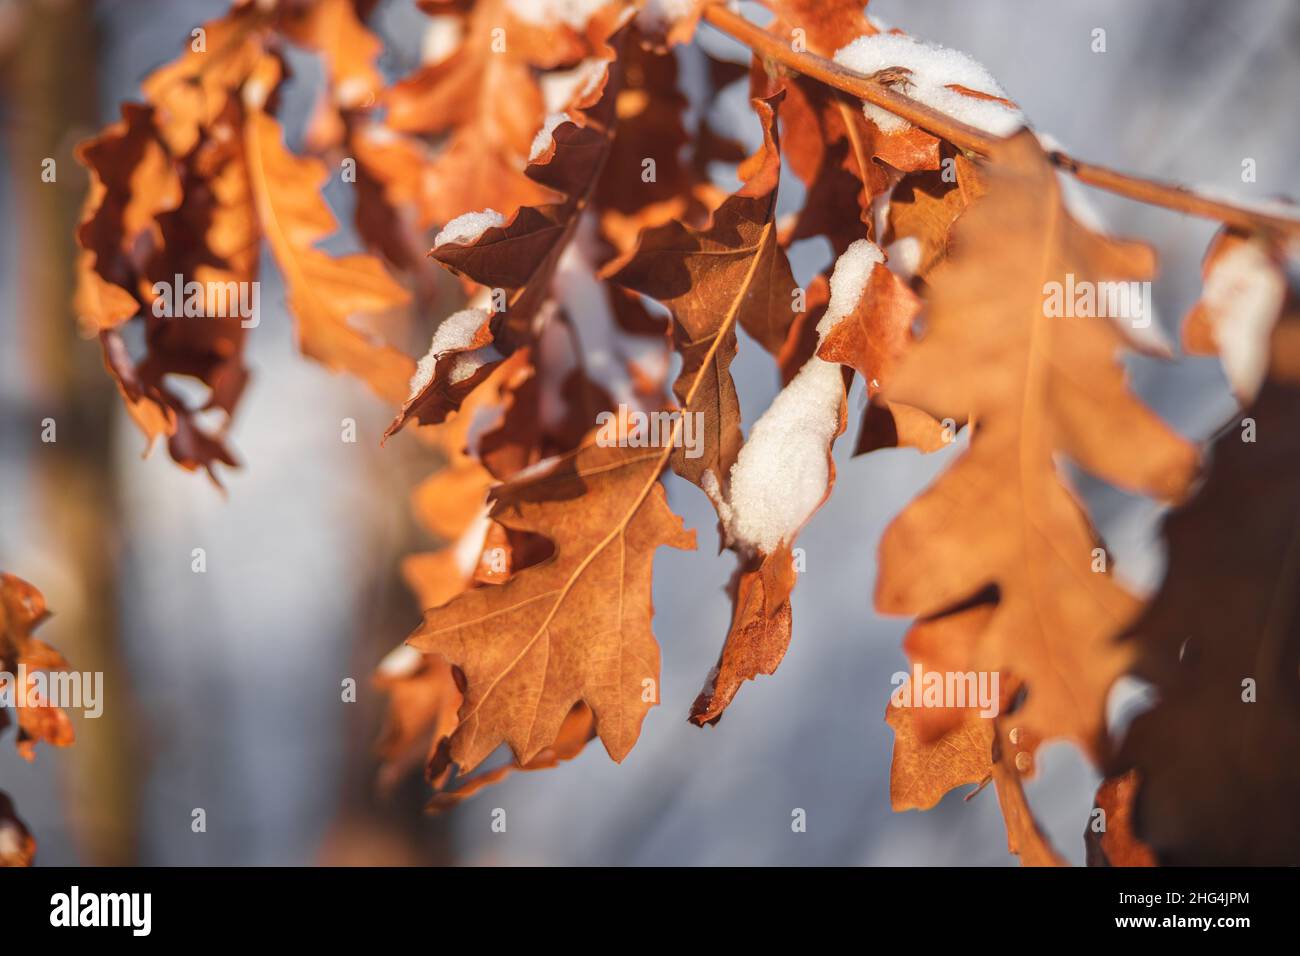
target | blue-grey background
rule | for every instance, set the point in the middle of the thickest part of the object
(228, 683)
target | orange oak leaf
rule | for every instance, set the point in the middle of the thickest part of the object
(575, 627)
(420, 713)
(324, 293)
(1038, 386)
(348, 49)
(521, 253)
(923, 770)
(423, 696)
(22, 609)
(191, 93)
(578, 729)
(759, 634)
(925, 204)
(827, 25)
(874, 336)
(484, 97)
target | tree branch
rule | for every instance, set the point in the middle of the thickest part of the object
(968, 137)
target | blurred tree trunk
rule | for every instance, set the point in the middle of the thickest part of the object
(50, 80)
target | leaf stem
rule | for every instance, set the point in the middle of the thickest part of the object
(968, 137)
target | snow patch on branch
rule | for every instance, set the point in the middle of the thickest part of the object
(467, 227)
(781, 475)
(934, 69)
(456, 332)
(1243, 298)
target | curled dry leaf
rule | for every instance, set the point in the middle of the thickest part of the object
(923, 206)
(131, 237)
(485, 98)
(732, 273)
(1109, 838)
(22, 609)
(180, 200)
(1038, 387)
(578, 729)
(1024, 836)
(522, 253)
(1218, 782)
(325, 293)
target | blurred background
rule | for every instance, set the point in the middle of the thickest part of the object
(223, 689)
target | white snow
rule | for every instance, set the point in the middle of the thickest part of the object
(713, 489)
(543, 138)
(441, 38)
(467, 227)
(933, 69)
(455, 332)
(849, 281)
(1243, 297)
(577, 288)
(465, 364)
(904, 256)
(572, 13)
(402, 661)
(780, 477)
(781, 474)
(469, 546)
(561, 88)
(657, 16)
(1281, 208)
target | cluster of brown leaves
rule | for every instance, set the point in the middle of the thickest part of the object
(22, 609)
(188, 184)
(537, 633)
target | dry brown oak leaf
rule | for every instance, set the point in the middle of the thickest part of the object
(22, 609)
(1218, 758)
(1038, 388)
(575, 627)
(735, 271)
(923, 771)
(1109, 837)
(325, 293)
(732, 272)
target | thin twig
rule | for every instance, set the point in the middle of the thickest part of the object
(976, 140)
